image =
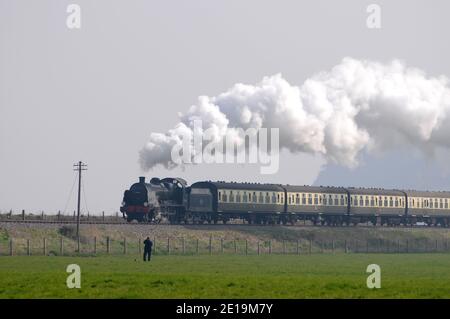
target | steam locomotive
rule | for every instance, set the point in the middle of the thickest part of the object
(173, 200)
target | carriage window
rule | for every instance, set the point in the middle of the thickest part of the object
(316, 200)
(261, 198)
(231, 196)
(396, 201)
(224, 197)
(325, 200)
(238, 197)
(254, 197)
(278, 197)
(441, 203)
(274, 198)
(304, 199)
(297, 199)
(342, 200)
(446, 203)
(309, 199)
(346, 200)
(367, 201)
(385, 202)
(361, 201)
(267, 198)
(372, 201)
(220, 195)
(355, 200)
(244, 197)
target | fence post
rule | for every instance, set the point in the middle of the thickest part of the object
(310, 246)
(59, 214)
(107, 245)
(270, 247)
(221, 245)
(407, 246)
(436, 246)
(182, 245)
(74, 217)
(139, 245)
(42, 214)
(258, 248)
(78, 245)
(168, 245)
(332, 246)
(11, 251)
(23, 214)
(61, 246)
(154, 245)
(95, 245)
(284, 247)
(45, 246)
(28, 248)
(235, 246)
(196, 247)
(298, 247)
(210, 245)
(124, 245)
(103, 216)
(246, 247)
(346, 249)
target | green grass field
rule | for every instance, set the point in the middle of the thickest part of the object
(227, 276)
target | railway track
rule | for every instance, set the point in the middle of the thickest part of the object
(101, 222)
(62, 222)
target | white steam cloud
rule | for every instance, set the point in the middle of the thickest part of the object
(357, 106)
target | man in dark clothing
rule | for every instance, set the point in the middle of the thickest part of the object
(147, 249)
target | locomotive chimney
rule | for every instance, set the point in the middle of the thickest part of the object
(141, 179)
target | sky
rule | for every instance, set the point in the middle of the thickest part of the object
(96, 93)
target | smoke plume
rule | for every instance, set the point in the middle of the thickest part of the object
(357, 106)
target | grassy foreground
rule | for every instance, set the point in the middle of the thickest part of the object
(227, 276)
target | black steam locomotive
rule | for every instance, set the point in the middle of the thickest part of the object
(212, 202)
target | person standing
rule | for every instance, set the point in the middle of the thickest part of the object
(147, 249)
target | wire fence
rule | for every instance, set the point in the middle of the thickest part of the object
(63, 246)
(59, 216)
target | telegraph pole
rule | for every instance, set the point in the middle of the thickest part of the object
(80, 166)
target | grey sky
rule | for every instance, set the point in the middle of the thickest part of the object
(95, 94)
